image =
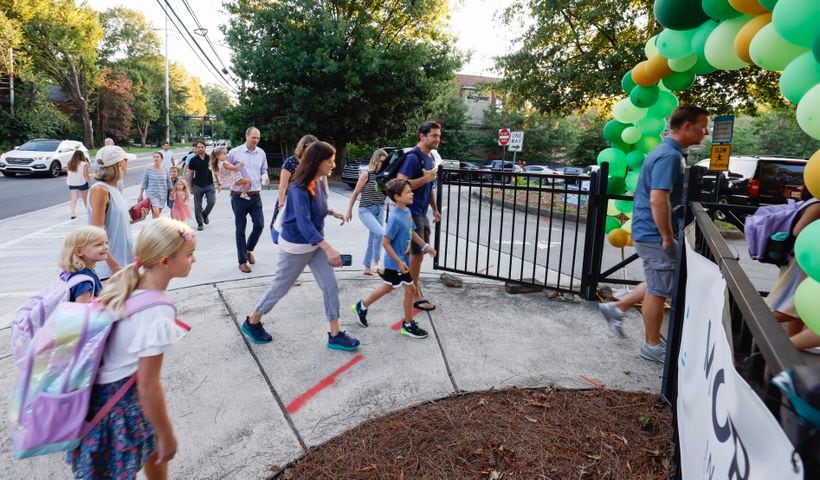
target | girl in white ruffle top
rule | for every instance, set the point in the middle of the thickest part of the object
(137, 432)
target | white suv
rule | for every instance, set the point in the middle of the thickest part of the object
(40, 156)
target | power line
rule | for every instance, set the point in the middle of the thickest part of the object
(219, 75)
(205, 34)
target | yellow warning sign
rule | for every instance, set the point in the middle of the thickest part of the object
(719, 159)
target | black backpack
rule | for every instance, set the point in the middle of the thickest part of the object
(391, 166)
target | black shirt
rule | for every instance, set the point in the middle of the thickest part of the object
(202, 171)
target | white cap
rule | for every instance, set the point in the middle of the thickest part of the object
(112, 154)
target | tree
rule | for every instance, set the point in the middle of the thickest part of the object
(218, 101)
(577, 52)
(61, 39)
(342, 70)
(113, 106)
(128, 35)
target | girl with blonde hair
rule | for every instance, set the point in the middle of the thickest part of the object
(227, 174)
(82, 249)
(371, 211)
(77, 180)
(137, 432)
(182, 193)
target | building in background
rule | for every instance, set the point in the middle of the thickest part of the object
(478, 98)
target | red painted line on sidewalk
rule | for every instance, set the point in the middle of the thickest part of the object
(397, 325)
(326, 382)
(593, 382)
(485, 269)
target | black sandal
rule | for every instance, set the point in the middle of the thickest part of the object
(424, 301)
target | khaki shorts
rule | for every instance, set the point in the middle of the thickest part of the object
(421, 225)
(658, 267)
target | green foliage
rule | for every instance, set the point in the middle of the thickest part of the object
(775, 133)
(343, 71)
(458, 140)
(577, 52)
(33, 117)
(128, 35)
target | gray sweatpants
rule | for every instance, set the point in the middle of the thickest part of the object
(288, 270)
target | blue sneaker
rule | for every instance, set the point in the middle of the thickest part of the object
(256, 332)
(342, 341)
(360, 312)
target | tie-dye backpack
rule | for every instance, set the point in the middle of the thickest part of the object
(50, 400)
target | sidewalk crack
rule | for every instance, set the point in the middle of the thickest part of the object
(441, 350)
(272, 389)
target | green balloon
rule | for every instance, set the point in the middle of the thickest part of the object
(719, 9)
(768, 4)
(625, 112)
(611, 224)
(770, 51)
(806, 251)
(679, 14)
(631, 135)
(720, 46)
(683, 64)
(675, 43)
(634, 160)
(815, 47)
(647, 143)
(617, 167)
(666, 104)
(610, 155)
(624, 206)
(679, 81)
(644, 96)
(622, 146)
(627, 83)
(808, 112)
(652, 125)
(702, 66)
(807, 303)
(615, 185)
(613, 129)
(632, 181)
(799, 76)
(797, 20)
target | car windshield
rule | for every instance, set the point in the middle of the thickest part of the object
(745, 167)
(40, 146)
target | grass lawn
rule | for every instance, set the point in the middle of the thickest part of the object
(91, 153)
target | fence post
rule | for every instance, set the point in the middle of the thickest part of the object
(440, 202)
(594, 235)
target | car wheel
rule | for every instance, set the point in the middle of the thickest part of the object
(55, 169)
(10, 174)
(720, 215)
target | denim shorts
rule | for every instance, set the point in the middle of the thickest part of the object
(81, 188)
(658, 267)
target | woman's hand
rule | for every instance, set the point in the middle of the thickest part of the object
(333, 256)
(166, 448)
(337, 215)
(349, 216)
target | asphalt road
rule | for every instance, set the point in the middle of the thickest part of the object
(24, 193)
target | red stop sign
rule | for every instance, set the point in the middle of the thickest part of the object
(504, 136)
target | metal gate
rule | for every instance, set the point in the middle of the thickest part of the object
(523, 228)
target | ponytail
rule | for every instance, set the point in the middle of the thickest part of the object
(120, 288)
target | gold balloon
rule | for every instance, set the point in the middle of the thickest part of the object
(811, 175)
(657, 66)
(618, 238)
(749, 7)
(747, 33)
(629, 242)
(640, 77)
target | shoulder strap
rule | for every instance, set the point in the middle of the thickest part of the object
(145, 300)
(81, 278)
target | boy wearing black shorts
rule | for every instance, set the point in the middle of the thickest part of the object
(397, 238)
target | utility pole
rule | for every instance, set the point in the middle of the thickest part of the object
(167, 89)
(11, 80)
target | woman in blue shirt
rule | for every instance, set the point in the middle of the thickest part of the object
(302, 243)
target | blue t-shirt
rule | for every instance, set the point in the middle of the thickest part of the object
(662, 170)
(413, 164)
(81, 289)
(400, 232)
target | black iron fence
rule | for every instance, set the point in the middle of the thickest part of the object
(523, 228)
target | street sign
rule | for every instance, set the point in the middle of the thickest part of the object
(504, 136)
(719, 159)
(722, 129)
(516, 141)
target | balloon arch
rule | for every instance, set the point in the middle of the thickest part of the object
(700, 37)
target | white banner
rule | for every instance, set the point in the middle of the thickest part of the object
(725, 429)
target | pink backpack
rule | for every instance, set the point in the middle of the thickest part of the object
(51, 397)
(32, 315)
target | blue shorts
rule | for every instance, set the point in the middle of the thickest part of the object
(82, 187)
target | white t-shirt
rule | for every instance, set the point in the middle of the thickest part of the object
(145, 334)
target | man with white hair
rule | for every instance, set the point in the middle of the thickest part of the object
(95, 165)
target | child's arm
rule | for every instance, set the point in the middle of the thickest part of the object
(230, 166)
(152, 400)
(389, 249)
(420, 242)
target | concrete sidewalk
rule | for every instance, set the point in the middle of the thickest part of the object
(239, 409)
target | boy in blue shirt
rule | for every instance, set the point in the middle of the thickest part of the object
(397, 238)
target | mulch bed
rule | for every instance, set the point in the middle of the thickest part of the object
(508, 434)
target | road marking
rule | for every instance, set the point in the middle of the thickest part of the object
(483, 270)
(27, 236)
(397, 325)
(326, 382)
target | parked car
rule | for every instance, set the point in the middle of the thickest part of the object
(223, 143)
(501, 166)
(570, 171)
(40, 156)
(750, 180)
(473, 172)
(208, 141)
(539, 169)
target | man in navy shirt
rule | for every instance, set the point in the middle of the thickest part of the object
(656, 217)
(420, 170)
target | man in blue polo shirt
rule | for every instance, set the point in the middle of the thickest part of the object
(656, 216)
(420, 170)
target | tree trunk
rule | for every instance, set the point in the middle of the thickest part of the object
(144, 132)
(81, 101)
(341, 154)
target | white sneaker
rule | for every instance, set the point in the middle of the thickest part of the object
(654, 354)
(613, 316)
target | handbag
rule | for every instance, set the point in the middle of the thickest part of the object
(136, 210)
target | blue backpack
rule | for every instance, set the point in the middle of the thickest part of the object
(769, 231)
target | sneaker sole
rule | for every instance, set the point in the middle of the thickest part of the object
(341, 347)
(408, 334)
(652, 359)
(356, 314)
(248, 334)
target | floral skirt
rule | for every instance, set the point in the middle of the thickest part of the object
(118, 446)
